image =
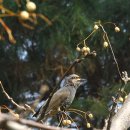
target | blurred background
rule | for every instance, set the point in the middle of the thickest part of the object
(31, 67)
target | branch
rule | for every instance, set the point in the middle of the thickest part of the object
(10, 123)
(112, 51)
(112, 112)
(25, 107)
(121, 120)
(8, 30)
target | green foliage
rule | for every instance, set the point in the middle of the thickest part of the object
(50, 49)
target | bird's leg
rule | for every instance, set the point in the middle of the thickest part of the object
(60, 115)
(60, 118)
(63, 108)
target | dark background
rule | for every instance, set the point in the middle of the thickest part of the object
(41, 56)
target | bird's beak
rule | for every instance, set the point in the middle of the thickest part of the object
(83, 81)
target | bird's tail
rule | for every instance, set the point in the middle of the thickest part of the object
(39, 109)
(37, 112)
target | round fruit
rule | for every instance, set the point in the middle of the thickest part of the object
(126, 97)
(84, 49)
(105, 44)
(66, 122)
(78, 49)
(24, 15)
(88, 49)
(117, 29)
(17, 116)
(85, 53)
(88, 125)
(96, 27)
(31, 6)
(121, 99)
(90, 115)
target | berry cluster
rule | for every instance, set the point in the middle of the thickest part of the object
(30, 6)
(85, 50)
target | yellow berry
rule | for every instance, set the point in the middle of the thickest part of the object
(90, 115)
(126, 97)
(31, 6)
(66, 122)
(84, 49)
(117, 29)
(105, 44)
(17, 116)
(120, 99)
(78, 49)
(88, 125)
(24, 15)
(85, 53)
(88, 49)
(96, 27)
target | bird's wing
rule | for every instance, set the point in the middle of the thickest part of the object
(58, 99)
(37, 112)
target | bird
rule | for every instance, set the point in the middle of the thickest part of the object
(62, 98)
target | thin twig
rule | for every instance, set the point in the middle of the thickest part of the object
(86, 37)
(75, 112)
(25, 107)
(72, 109)
(9, 31)
(49, 22)
(70, 119)
(7, 10)
(61, 119)
(107, 38)
(10, 98)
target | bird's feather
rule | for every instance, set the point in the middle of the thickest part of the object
(57, 100)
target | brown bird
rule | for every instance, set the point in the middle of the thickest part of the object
(62, 98)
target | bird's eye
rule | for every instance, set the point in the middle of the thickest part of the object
(75, 77)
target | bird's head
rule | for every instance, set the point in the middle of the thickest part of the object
(75, 80)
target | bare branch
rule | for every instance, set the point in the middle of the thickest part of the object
(25, 107)
(112, 112)
(10, 123)
(112, 51)
(8, 30)
(121, 120)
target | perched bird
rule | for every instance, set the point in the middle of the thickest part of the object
(62, 98)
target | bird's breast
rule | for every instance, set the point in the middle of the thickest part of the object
(71, 96)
